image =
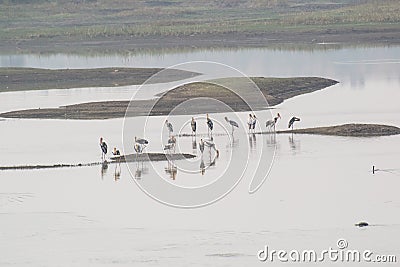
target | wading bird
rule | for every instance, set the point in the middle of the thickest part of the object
(210, 124)
(232, 123)
(169, 127)
(171, 144)
(140, 145)
(254, 122)
(193, 124)
(250, 122)
(272, 123)
(116, 152)
(103, 147)
(141, 141)
(292, 121)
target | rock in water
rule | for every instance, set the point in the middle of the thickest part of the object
(362, 224)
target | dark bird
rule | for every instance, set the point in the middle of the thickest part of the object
(362, 224)
(116, 152)
(278, 116)
(141, 141)
(193, 124)
(232, 123)
(254, 122)
(103, 147)
(250, 122)
(210, 124)
(169, 126)
(291, 122)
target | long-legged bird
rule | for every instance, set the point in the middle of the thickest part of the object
(103, 146)
(210, 124)
(193, 124)
(292, 121)
(169, 127)
(232, 123)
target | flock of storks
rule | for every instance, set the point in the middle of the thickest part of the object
(140, 143)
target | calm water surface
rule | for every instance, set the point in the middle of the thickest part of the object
(318, 188)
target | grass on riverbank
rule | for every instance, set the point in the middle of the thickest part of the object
(93, 19)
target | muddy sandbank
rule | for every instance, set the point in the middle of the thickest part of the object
(113, 160)
(353, 129)
(275, 91)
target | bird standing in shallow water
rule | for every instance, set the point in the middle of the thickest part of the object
(171, 144)
(292, 121)
(193, 124)
(250, 122)
(232, 123)
(271, 124)
(210, 124)
(116, 152)
(140, 145)
(141, 141)
(169, 127)
(103, 146)
(253, 126)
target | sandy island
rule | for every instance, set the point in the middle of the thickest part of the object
(275, 91)
(120, 159)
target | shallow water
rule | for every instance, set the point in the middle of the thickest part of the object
(318, 187)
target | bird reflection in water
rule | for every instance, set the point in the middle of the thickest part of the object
(213, 155)
(171, 169)
(271, 139)
(194, 145)
(294, 144)
(234, 142)
(117, 171)
(104, 168)
(252, 141)
(141, 169)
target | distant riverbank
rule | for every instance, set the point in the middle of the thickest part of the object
(25, 79)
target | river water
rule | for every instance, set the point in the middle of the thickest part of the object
(318, 186)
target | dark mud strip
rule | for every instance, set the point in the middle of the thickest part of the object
(54, 166)
(355, 130)
(114, 160)
(22, 79)
(152, 157)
